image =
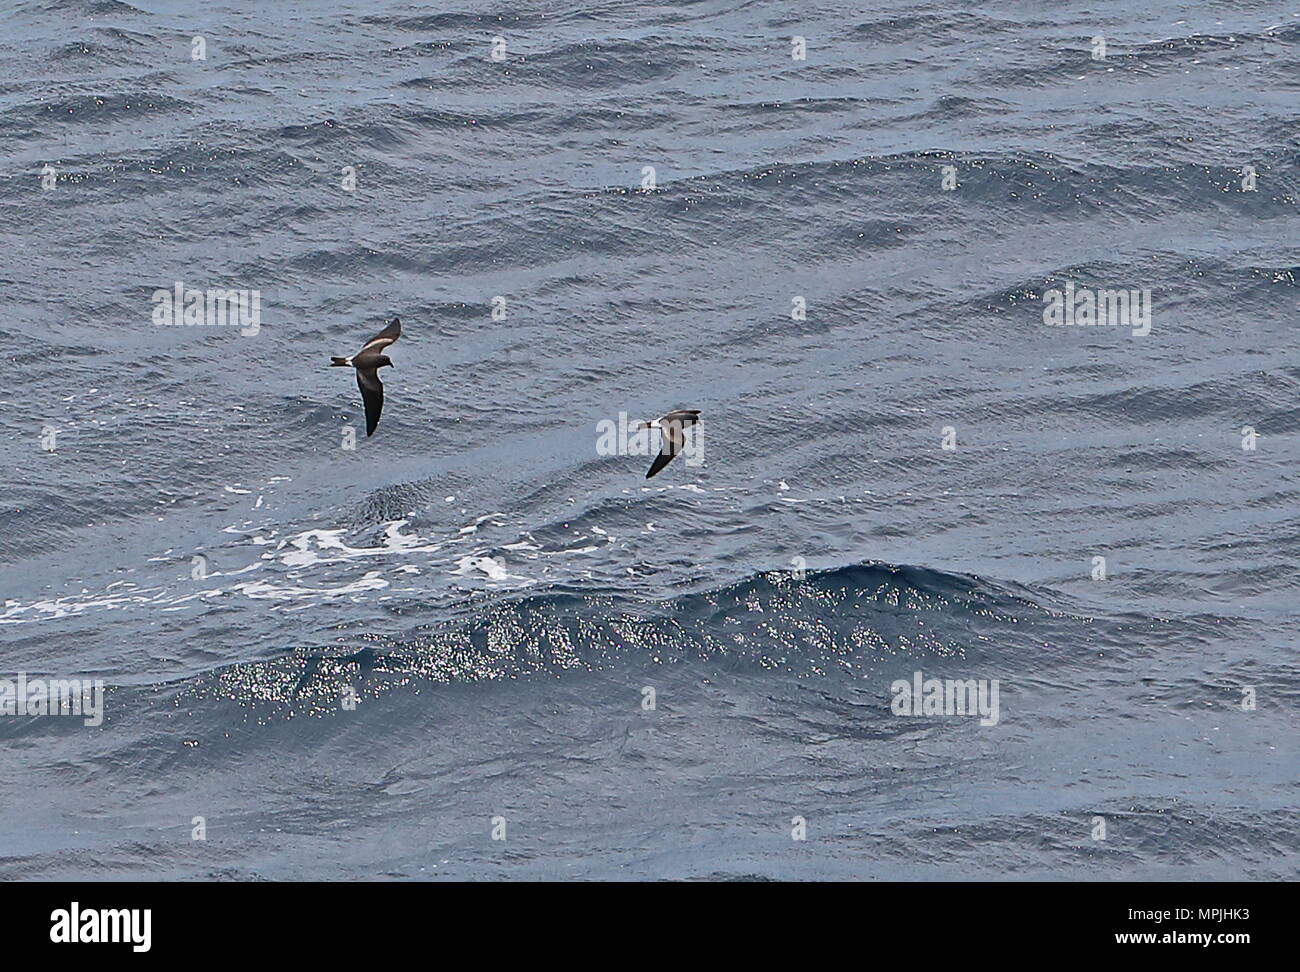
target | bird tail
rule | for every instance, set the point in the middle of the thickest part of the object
(339, 362)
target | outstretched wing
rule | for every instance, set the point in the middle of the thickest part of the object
(372, 393)
(682, 417)
(661, 460)
(673, 439)
(383, 339)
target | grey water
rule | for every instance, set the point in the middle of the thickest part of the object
(476, 646)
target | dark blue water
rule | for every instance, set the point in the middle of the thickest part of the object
(383, 650)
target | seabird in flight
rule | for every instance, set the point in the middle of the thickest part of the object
(368, 361)
(672, 430)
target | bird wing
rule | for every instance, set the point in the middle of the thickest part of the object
(673, 440)
(383, 339)
(661, 460)
(372, 393)
(682, 417)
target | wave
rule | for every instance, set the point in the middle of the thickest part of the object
(851, 622)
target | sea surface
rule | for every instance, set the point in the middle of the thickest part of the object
(474, 646)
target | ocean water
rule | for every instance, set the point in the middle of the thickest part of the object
(370, 662)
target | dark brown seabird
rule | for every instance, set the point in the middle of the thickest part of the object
(672, 429)
(367, 362)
